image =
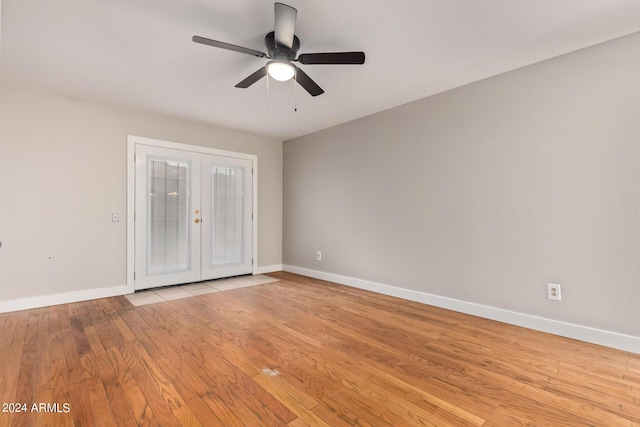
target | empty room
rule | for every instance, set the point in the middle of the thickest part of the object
(256, 213)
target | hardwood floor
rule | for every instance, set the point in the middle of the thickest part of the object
(301, 352)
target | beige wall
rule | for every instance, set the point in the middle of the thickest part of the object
(487, 192)
(63, 172)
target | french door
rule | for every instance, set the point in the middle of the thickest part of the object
(193, 216)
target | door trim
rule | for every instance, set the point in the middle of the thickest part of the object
(132, 141)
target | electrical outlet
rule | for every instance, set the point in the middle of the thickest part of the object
(319, 256)
(554, 292)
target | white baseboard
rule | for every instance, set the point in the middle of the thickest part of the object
(268, 268)
(556, 327)
(63, 298)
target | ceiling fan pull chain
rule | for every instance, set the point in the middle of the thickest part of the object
(267, 91)
(295, 91)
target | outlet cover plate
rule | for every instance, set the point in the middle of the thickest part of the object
(554, 292)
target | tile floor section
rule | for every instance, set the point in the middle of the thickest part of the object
(185, 291)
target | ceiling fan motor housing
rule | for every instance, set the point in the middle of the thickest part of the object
(277, 51)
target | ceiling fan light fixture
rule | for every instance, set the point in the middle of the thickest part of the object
(281, 70)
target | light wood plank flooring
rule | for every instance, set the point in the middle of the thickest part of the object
(301, 352)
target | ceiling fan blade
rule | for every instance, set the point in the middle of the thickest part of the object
(307, 83)
(229, 46)
(285, 24)
(253, 78)
(332, 58)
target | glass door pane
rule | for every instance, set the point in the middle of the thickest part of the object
(168, 216)
(227, 201)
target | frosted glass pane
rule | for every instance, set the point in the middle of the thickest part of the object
(168, 216)
(227, 204)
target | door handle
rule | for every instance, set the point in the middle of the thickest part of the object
(197, 220)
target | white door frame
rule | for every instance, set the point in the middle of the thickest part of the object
(132, 141)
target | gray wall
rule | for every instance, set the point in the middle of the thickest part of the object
(487, 192)
(63, 171)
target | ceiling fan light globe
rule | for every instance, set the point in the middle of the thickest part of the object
(281, 70)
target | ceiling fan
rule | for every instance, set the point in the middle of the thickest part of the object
(282, 47)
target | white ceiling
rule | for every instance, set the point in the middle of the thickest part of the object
(139, 53)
